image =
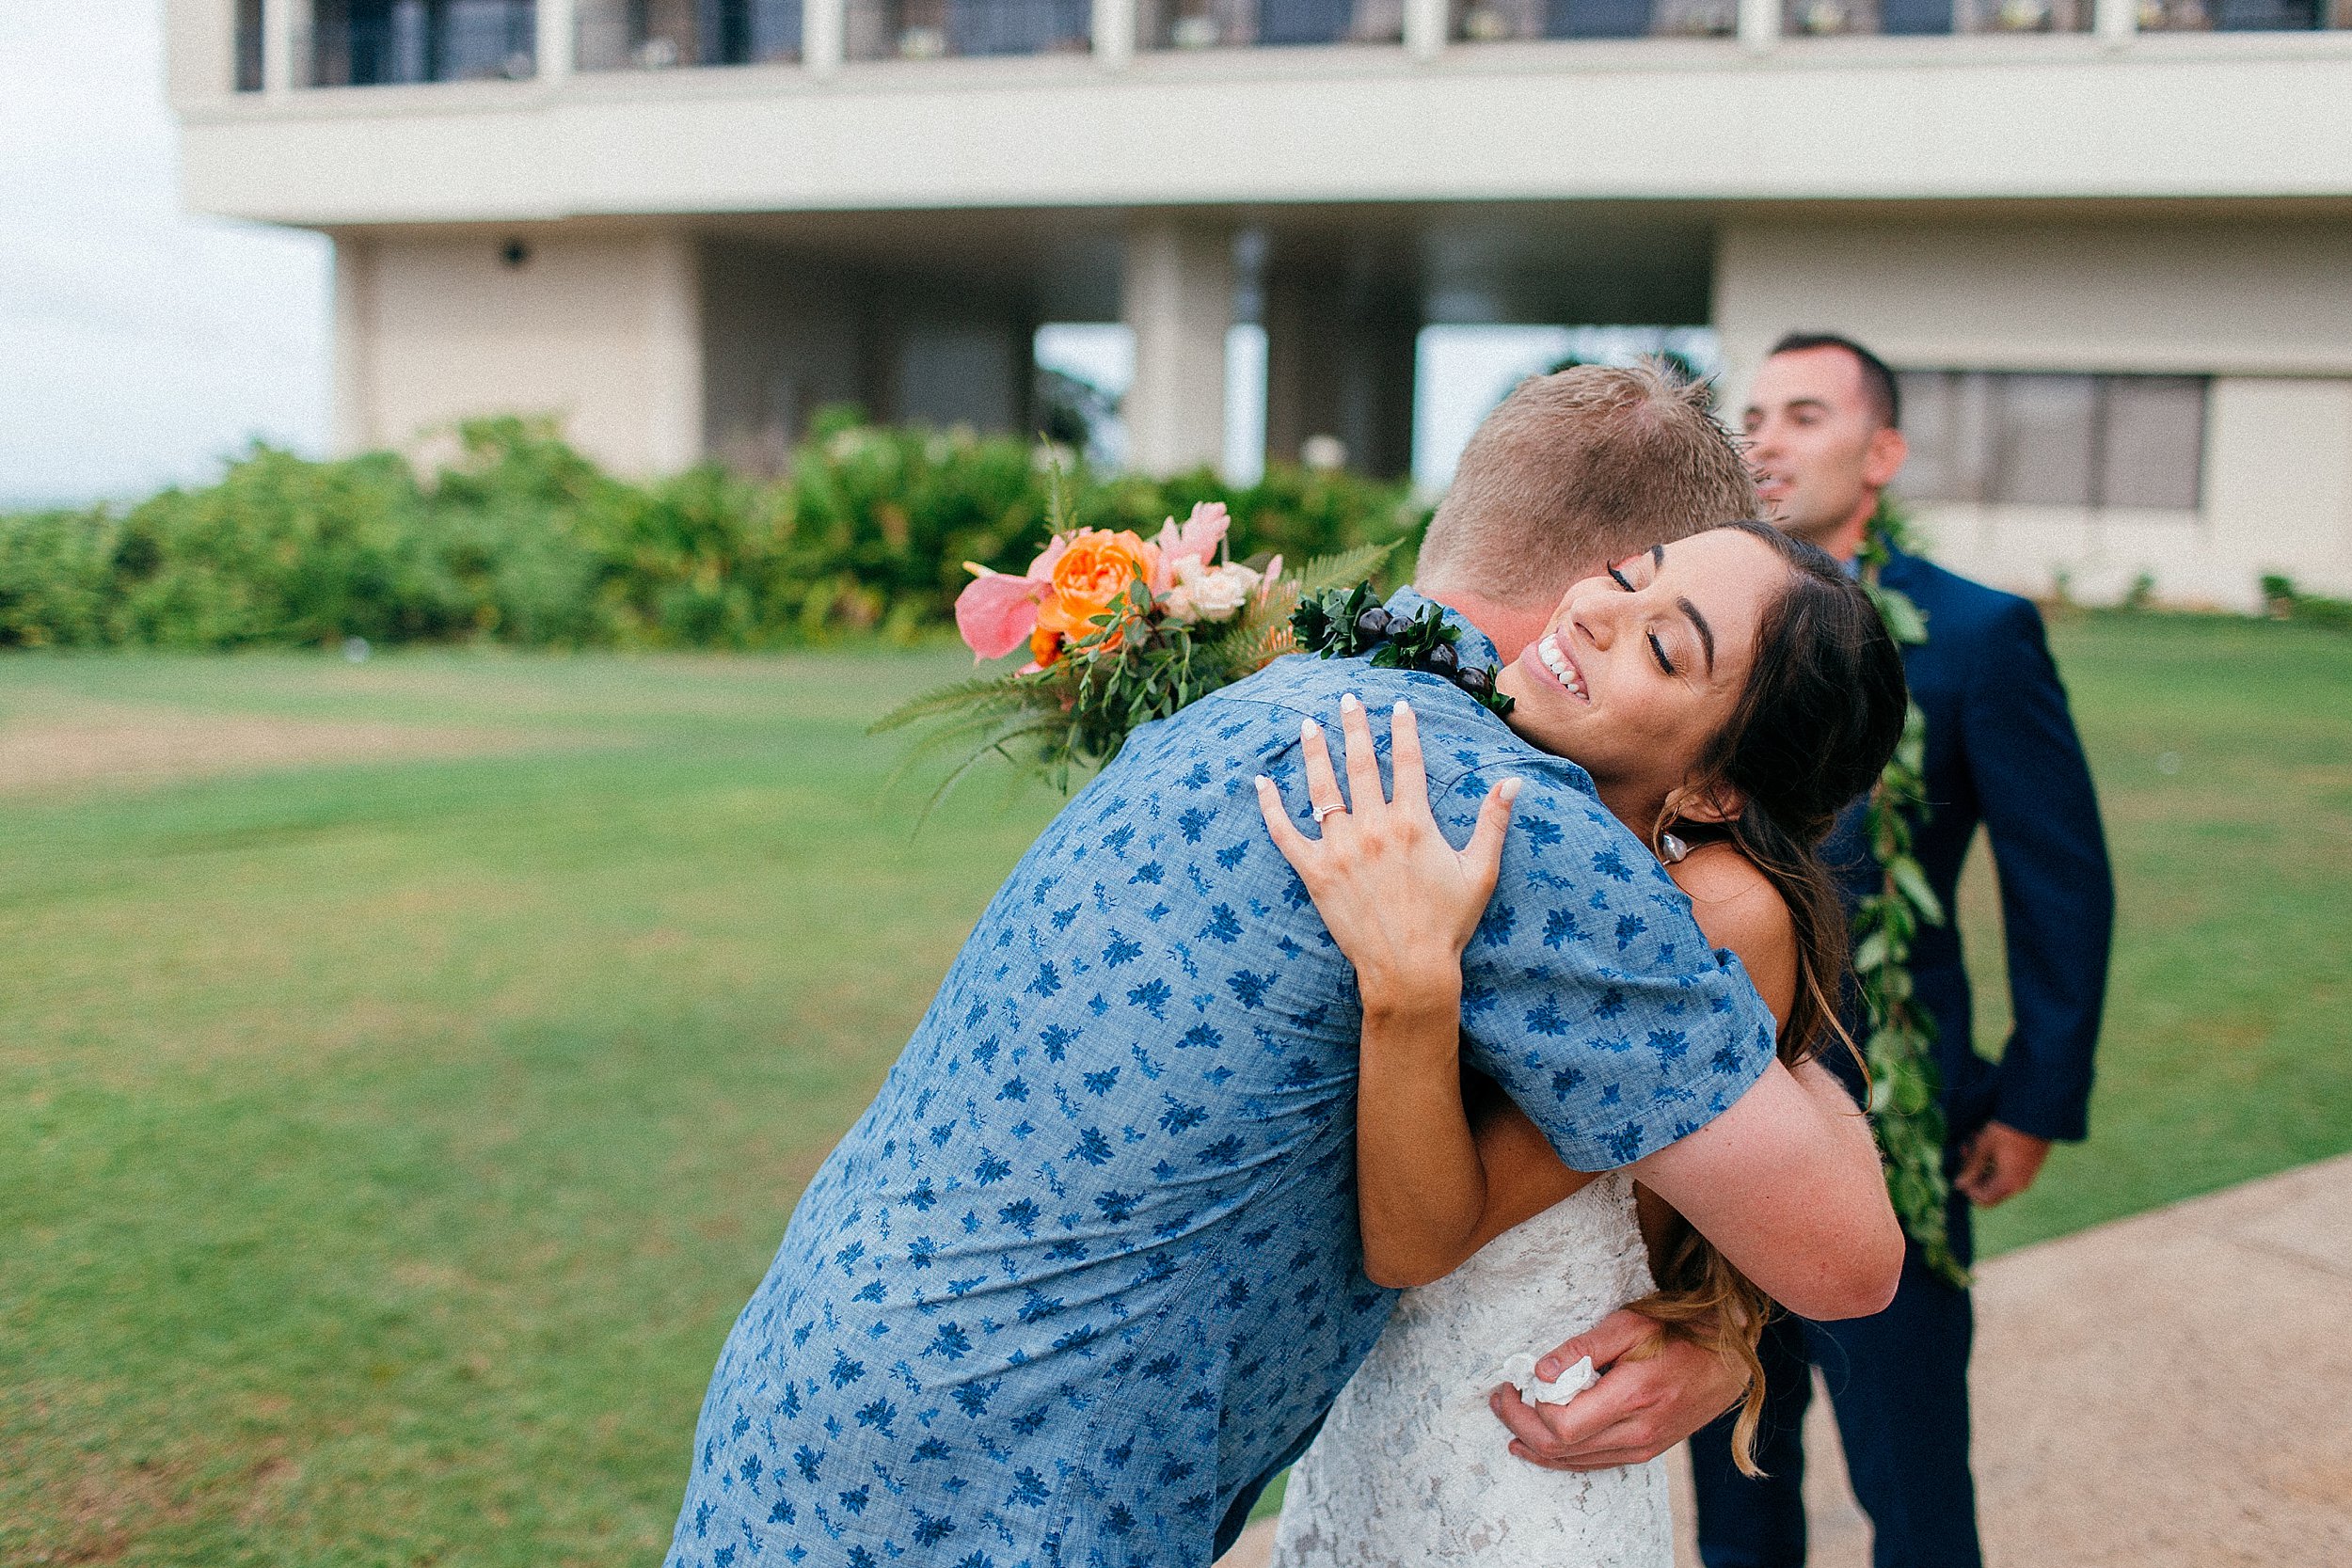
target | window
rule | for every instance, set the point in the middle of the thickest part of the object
(249, 45)
(375, 42)
(2031, 439)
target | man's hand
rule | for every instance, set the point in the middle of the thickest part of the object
(1637, 1411)
(1999, 1163)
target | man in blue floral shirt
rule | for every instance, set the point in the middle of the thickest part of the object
(1085, 1274)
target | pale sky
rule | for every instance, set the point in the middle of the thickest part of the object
(140, 345)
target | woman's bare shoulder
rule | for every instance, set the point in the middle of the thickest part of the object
(1735, 904)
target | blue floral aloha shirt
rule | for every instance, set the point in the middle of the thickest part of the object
(1086, 1273)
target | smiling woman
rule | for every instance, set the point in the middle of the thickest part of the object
(1736, 683)
(1627, 679)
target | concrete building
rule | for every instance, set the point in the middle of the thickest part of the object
(2108, 241)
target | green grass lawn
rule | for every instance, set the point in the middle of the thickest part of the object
(389, 1144)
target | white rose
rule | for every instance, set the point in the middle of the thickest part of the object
(1204, 592)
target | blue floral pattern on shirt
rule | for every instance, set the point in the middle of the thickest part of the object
(1086, 1273)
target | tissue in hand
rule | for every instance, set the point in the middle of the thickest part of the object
(1520, 1371)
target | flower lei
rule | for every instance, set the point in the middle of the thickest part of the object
(1899, 1050)
(1344, 622)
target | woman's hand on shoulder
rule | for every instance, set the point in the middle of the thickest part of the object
(1401, 902)
(1737, 907)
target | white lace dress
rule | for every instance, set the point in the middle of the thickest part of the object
(1412, 1467)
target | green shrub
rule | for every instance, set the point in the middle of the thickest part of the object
(523, 540)
(2286, 602)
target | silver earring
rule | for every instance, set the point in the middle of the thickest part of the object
(1672, 850)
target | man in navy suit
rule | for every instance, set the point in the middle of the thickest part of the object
(1824, 423)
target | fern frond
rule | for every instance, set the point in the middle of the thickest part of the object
(1060, 516)
(994, 747)
(1260, 636)
(1343, 570)
(989, 693)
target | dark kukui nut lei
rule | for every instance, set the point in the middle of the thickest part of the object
(1347, 623)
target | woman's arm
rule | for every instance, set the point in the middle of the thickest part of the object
(1736, 907)
(1786, 1183)
(1401, 904)
(1428, 1200)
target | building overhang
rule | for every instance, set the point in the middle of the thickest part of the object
(1965, 120)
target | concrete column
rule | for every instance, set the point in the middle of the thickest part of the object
(354, 349)
(558, 39)
(1114, 29)
(1177, 297)
(2116, 22)
(285, 28)
(1425, 26)
(674, 352)
(1759, 25)
(1340, 362)
(823, 25)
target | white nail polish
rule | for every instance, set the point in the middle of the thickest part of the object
(1348, 702)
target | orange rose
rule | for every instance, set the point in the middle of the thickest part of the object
(1091, 575)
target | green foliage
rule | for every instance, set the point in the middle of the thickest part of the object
(2288, 604)
(522, 540)
(1342, 623)
(1899, 1048)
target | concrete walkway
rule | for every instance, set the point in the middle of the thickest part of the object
(2169, 1392)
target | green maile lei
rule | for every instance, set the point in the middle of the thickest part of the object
(1344, 622)
(1900, 1043)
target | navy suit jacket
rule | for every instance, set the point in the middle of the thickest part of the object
(2002, 751)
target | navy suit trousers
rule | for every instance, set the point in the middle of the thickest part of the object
(1898, 1386)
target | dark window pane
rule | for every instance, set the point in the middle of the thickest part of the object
(1947, 426)
(2154, 441)
(2264, 16)
(1017, 26)
(1597, 19)
(1303, 20)
(248, 46)
(2042, 441)
(1915, 16)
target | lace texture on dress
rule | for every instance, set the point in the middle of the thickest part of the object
(1412, 1467)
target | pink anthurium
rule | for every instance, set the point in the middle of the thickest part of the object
(995, 612)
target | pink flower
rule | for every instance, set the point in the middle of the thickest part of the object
(1197, 540)
(995, 612)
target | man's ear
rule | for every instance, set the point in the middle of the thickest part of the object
(1715, 803)
(1883, 459)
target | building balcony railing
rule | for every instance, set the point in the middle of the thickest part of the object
(361, 43)
(1267, 24)
(1494, 21)
(2243, 15)
(655, 35)
(326, 43)
(1929, 18)
(935, 29)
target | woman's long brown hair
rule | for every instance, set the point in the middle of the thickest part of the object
(1822, 713)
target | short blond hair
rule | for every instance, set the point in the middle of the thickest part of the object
(1577, 470)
